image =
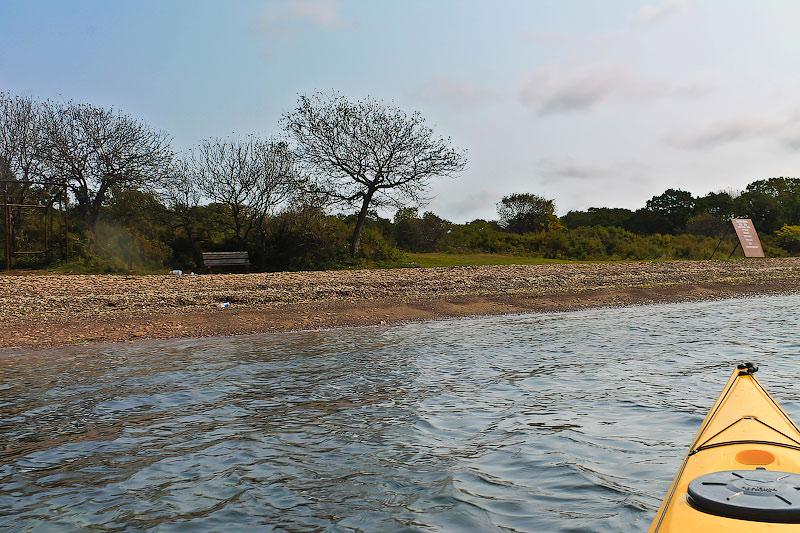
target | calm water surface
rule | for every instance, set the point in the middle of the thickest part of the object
(562, 422)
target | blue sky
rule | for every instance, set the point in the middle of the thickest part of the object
(589, 103)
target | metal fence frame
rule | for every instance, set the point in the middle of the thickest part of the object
(60, 197)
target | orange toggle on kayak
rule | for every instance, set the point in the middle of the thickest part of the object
(742, 472)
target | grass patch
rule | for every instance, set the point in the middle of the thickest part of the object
(448, 259)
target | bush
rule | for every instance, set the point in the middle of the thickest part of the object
(376, 249)
(788, 238)
(304, 239)
(118, 249)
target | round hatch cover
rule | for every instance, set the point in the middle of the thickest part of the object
(760, 495)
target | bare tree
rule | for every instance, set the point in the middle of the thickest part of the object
(367, 154)
(93, 149)
(180, 190)
(5, 169)
(20, 161)
(182, 195)
(20, 136)
(251, 176)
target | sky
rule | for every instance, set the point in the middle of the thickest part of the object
(589, 103)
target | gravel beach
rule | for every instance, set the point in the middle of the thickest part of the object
(47, 310)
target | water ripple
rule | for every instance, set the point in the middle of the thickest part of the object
(570, 422)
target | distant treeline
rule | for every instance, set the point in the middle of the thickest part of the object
(141, 232)
(136, 205)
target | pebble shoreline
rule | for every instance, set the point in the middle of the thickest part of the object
(34, 308)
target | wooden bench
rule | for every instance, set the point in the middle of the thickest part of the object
(226, 259)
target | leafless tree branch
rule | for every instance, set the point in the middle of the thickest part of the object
(368, 154)
(92, 149)
(251, 176)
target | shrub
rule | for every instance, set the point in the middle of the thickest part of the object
(788, 238)
(118, 249)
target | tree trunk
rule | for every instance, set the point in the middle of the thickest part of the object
(96, 205)
(263, 261)
(237, 227)
(83, 204)
(355, 244)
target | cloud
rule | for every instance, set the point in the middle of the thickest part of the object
(455, 94)
(792, 142)
(558, 170)
(323, 14)
(586, 91)
(555, 171)
(557, 89)
(466, 207)
(791, 138)
(547, 37)
(653, 14)
(320, 14)
(726, 132)
(577, 184)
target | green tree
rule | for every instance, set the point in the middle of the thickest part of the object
(647, 222)
(707, 224)
(713, 214)
(432, 230)
(787, 193)
(675, 207)
(419, 234)
(597, 216)
(526, 212)
(763, 209)
(718, 204)
(405, 227)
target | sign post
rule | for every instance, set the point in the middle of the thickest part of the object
(748, 237)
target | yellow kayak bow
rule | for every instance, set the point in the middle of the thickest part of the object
(742, 472)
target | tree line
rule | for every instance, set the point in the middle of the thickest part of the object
(334, 154)
(771, 204)
(675, 216)
(310, 197)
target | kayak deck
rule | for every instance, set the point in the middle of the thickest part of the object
(746, 430)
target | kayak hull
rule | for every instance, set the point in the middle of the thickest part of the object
(746, 430)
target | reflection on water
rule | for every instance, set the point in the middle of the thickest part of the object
(570, 422)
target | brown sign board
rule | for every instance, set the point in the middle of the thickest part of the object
(748, 237)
